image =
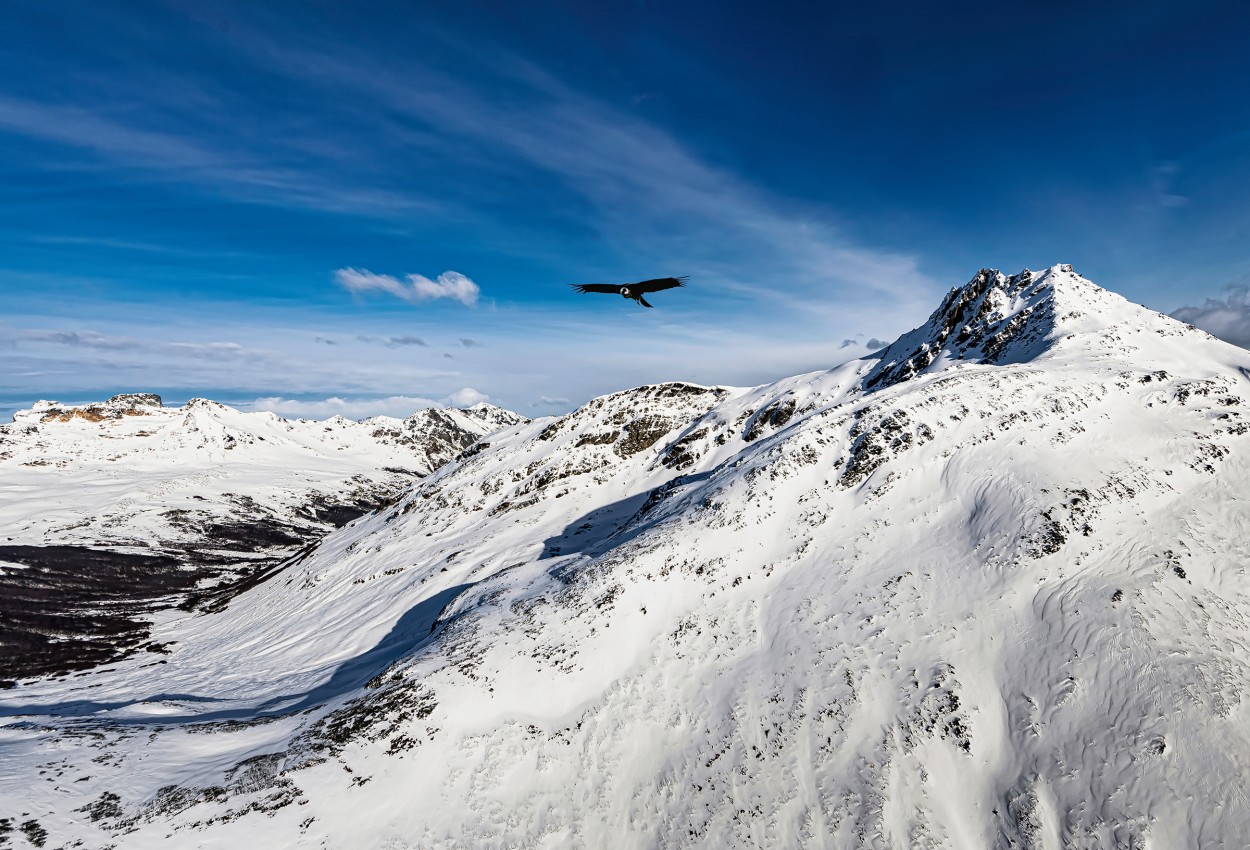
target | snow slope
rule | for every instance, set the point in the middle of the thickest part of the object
(985, 588)
(129, 472)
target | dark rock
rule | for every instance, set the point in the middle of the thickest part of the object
(135, 400)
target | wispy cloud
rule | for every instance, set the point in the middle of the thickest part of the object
(105, 342)
(182, 153)
(1227, 318)
(116, 244)
(605, 169)
(211, 349)
(652, 197)
(392, 341)
(470, 343)
(413, 287)
(84, 339)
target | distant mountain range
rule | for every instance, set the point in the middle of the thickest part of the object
(129, 472)
(986, 587)
(113, 512)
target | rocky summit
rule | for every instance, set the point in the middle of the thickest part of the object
(984, 588)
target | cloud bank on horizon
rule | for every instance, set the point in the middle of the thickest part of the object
(1227, 318)
(398, 407)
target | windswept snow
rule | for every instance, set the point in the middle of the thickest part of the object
(985, 587)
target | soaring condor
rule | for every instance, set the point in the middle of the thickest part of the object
(633, 291)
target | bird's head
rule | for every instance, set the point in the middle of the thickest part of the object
(625, 291)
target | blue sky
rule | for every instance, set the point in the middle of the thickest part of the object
(229, 199)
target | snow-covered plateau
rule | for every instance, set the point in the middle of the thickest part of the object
(984, 588)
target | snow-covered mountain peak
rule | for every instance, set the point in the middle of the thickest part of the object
(205, 403)
(612, 441)
(635, 418)
(998, 319)
(492, 416)
(442, 433)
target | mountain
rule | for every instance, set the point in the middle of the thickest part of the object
(112, 512)
(985, 587)
(130, 472)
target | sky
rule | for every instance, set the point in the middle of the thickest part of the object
(320, 207)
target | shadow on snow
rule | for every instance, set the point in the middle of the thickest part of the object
(412, 630)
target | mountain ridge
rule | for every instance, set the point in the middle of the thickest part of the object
(989, 601)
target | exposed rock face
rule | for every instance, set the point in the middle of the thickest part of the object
(985, 588)
(440, 434)
(135, 400)
(125, 404)
(991, 319)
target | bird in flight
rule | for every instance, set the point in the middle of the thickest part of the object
(633, 291)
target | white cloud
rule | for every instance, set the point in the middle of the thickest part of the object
(413, 287)
(467, 397)
(399, 406)
(1228, 319)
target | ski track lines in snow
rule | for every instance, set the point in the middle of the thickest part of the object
(997, 601)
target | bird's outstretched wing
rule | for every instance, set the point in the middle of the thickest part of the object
(658, 284)
(597, 287)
